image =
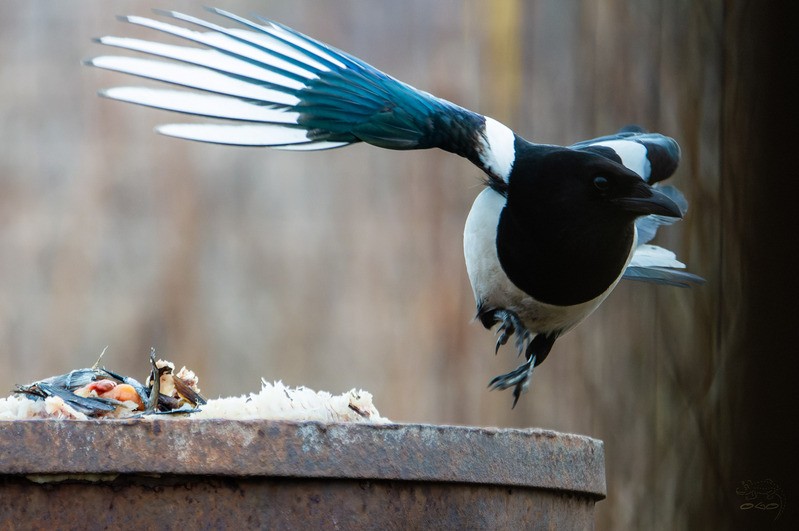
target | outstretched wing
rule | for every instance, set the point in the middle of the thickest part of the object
(654, 157)
(283, 89)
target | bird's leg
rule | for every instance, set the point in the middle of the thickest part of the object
(519, 378)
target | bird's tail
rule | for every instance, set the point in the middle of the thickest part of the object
(651, 263)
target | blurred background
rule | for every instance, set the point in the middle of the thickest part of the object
(344, 268)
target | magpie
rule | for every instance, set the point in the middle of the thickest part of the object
(552, 233)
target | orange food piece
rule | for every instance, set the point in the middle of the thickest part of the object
(111, 389)
(123, 393)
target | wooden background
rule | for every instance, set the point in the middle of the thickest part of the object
(344, 268)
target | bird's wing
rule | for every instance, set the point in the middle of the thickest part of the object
(651, 155)
(282, 89)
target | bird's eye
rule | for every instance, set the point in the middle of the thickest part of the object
(601, 183)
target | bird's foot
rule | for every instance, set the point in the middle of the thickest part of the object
(519, 379)
(536, 349)
(509, 324)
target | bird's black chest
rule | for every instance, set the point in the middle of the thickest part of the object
(563, 260)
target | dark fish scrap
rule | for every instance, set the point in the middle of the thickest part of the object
(98, 392)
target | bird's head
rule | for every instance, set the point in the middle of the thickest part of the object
(568, 185)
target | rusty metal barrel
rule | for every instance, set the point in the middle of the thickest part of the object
(186, 473)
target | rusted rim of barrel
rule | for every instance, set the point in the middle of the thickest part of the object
(407, 452)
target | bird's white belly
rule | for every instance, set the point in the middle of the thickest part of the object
(491, 286)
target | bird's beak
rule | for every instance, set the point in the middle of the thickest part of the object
(646, 200)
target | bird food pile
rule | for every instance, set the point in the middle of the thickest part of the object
(99, 393)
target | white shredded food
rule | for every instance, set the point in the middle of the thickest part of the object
(276, 401)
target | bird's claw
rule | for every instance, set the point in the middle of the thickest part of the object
(519, 379)
(504, 332)
(510, 324)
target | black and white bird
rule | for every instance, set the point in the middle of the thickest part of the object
(547, 240)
